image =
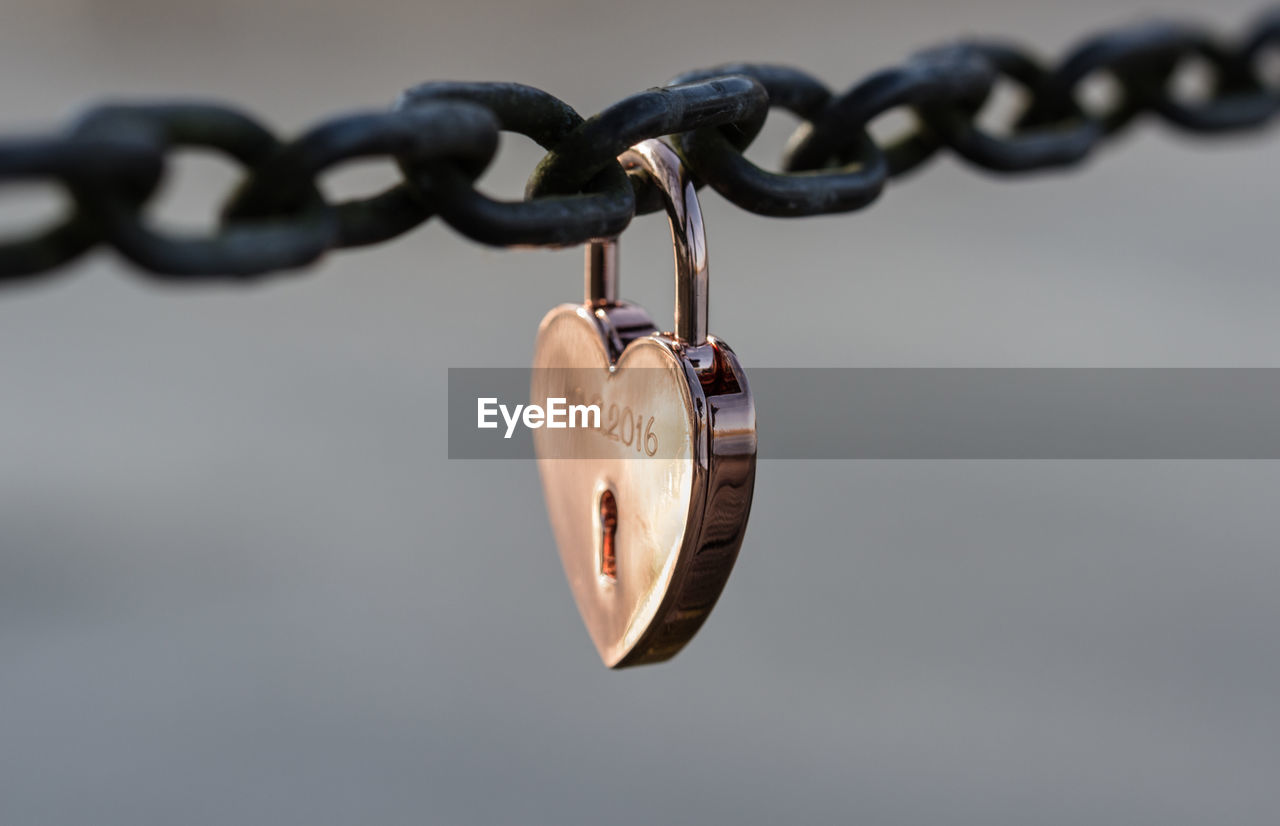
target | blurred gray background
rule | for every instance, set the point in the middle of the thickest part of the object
(240, 582)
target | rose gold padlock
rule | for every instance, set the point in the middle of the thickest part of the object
(649, 508)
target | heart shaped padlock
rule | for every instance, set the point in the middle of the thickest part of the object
(648, 506)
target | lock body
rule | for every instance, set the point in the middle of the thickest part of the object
(679, 514)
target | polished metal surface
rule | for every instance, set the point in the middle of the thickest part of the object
(648, 526)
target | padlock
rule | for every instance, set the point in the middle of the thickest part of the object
(649, 507)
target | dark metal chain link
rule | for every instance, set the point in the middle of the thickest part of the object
(442, 137)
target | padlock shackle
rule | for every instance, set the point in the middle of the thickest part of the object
(602, 272)
(663, 166)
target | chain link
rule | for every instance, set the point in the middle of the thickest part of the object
(443, 136)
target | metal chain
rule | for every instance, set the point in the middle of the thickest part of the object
(443, 136)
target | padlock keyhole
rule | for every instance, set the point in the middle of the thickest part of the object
(608, 529)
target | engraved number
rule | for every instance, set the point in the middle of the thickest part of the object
(628, 432)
